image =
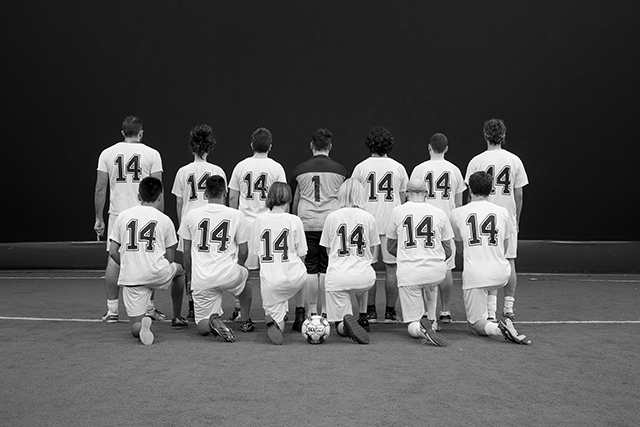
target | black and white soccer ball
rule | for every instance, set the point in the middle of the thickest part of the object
(316, 329)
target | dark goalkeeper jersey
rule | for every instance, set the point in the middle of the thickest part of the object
(315, 184)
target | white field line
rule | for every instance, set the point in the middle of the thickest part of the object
(52, 278)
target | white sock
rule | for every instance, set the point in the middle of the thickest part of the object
(492, 305)
(492, 329)
(112, 306)
(313, 308)
(508, 304)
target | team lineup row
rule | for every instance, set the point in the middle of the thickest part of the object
(321, 252)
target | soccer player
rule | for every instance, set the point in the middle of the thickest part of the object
(350, 235)
(482, 232)
(215, 250)
(189, 184)
(280, 246)
(315, 184)
(248, 187)
(386, 182)
(509, 178)
(121, 167)
(445, 187)
(419, 235)
(143, 243)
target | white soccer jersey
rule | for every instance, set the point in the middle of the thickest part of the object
(348, 235)
(215, 232)
(444, 180)
(482, 227)
(279, 241)
(190, 184)
(384, 180)
(420, 229)
(127, 164)
(508, 173)
(144, 234)
(252, 178)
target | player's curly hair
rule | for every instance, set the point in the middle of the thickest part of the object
(261, 140)
(150, 189)
(321, 139)
(215, 186)
(201, 140)
(279, 195)
(494, 131)
(379, 141)
(131, 126)
(481, 183)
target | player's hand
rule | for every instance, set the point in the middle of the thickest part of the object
(99, 227)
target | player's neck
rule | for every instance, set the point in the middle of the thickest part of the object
(493, 147)
(279, 209)
(378, 155)
(217, 201)
(437, 156)
(416, 198)
(475, 198)
(257, 155)
(320, 153)
(150, 204)
(197, 158)
(134, 140)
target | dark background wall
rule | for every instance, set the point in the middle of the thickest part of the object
(563, 76)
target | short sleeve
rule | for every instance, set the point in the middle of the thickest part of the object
(234, 181)
(170, 238)
(324, 237)
(374, 238)
(184, 231)
(178, 184)
(102, 162)
(453, 220)
(156, 166)
(301, 239)
(114, 236)
(392, 230)
(244, 230)
(447, 230)
(404, 178)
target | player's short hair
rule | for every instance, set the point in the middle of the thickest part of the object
(438, 142)
(150, 189)
(215, 186)
(480, 183)
(261, 140)
(379, 141)
(351, 194)
(279, 194)
(321, 139)
(494, 131)
(201, 140)
(131, 126)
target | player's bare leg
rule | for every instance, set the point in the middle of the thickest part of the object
(245, 298)
(300, 313)
(372, 314)
(510, 292)
(177, 292)
(322, 298)
(445, 295)
(391, 294)
(310, 294)
(111, 274)
(431, 294)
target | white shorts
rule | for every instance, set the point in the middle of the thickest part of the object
(209, 301)
(137, 298)
(475, 303)
(338, 303)
(512, 249)
(387, 258)
(412, 301)
(451, 261)
(277, 311)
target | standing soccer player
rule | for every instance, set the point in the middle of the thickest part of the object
(386, 182)
(482, 231)
(250, 181)
(445, 187)
(279, 244)
(215, 250)
(190, 184)
(350, 234)
(143, 243)
(315, 184)
(419, 235)
(122, 167)
(509, 178)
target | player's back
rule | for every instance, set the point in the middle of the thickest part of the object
(127, 164)
(508, 173)
(190, 184)
(384, 179)
(444, 180)
(252, 178)
(420, 229)
(482, 227)
(316, 183)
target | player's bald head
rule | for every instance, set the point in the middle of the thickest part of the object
(416, 185)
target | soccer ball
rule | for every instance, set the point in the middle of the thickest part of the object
(316, 329)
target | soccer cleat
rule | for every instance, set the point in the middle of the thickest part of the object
(429, 334)
(509, 315)
(218, 328)
(236, 314)
(391, 316)
(156, 314)
(510, 333)
(191, 314)
(364, 322)
(354, 330)
(273, 331)
(179, 322)
(146, 336)
(445, 317)
(247, 326)
(110, 317)
(301, 316)
(324, 315)
(372, 315)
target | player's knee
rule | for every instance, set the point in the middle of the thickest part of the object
(203, 327)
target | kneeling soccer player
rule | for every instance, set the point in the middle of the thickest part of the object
(481, 232)
(215, 250)
(279, 242)
(349, 234)
(419, 236)
(143, 243)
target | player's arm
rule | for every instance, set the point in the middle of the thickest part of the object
(179, 203)
(114, 251)
(296, 201)
(243, 253)
(186, 259)
(446, 244)
(458, 199)
(392, 246)
(170, 254)
(403, 197)
(159, 176)
(459, 247)
(518, 194)
(234, 198)
(99, 199)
